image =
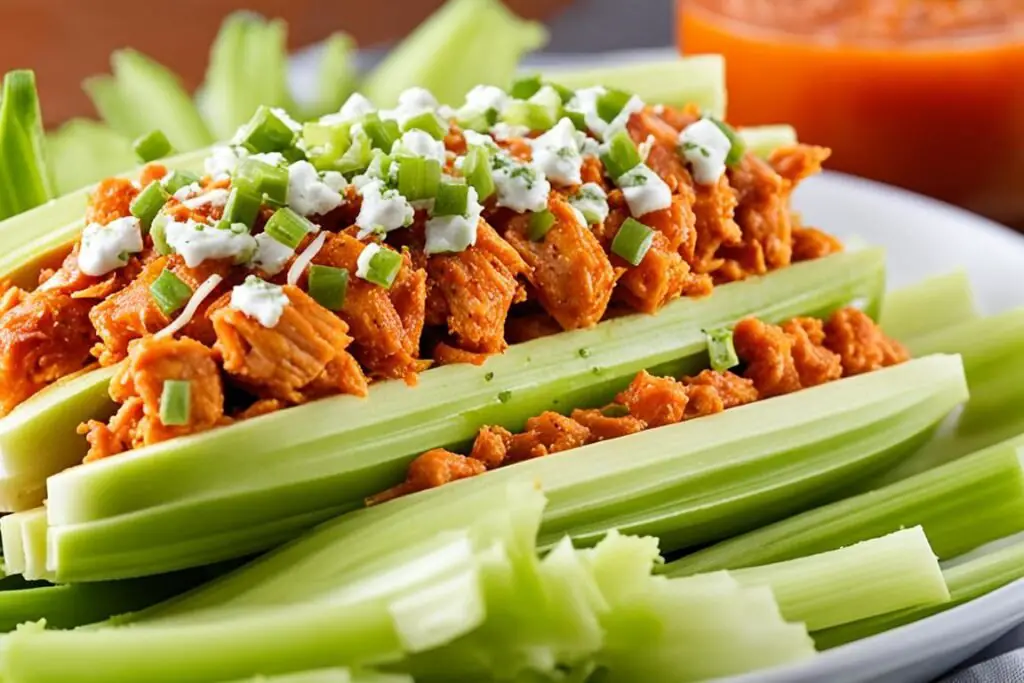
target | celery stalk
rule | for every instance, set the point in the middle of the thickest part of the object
(336, 77)
(33, 539)
(336, 675)
(113, 107)
(981, 574)
(13, 545)
(26, 180)
(929, 306)
(301, 461)
(83, 152)
(463, 44)
(961, 506)
(763, 140)
(698, 80)
(869, 578)
(38, 438)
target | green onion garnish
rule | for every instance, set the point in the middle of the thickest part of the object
(147, 204)
(152, 146)
(615, 410)
(158, 231)
(328, 286)
(526, 87)
(288, 227)
(176, 402)
(383, 268)
(429, 122)
(175, 180)
(382, 133)
(533, 115)
(242, 207)
(721, 350)
(632, 241)
(622, 155)
(418, 177)
(541, 223)
(262, 180)
(169, 292)
(452, 200)
(611, 103)
(737, 147)
(476, 168)
(266, 132)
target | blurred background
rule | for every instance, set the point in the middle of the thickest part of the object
(924, 94)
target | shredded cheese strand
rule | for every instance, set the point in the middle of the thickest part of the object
(303, 260)
(202, 292)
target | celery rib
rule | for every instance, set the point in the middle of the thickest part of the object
(763, 140)
(932, 305)
(23, 165)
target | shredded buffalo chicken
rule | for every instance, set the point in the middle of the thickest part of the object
(777, 359)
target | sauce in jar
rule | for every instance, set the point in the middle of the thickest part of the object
(925, 94)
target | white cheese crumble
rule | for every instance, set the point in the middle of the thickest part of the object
(286, 119)
(483, 98)
(309, 194)
(644, 190)
(592, 202)
(355, 107)
(556, 154)
(479, 140)
(520, 187)
(223, 161)
(364, 258)
(383, 210)
(505, 131)
(272, 158)
(585, 102)
(217, 197)
(198, 242)
(271, 256)
(261, 300)
(411, 103)
(547, 97)
(106, 247)
(447, 234)
(186, 191)
(418, 143)
(705, 147)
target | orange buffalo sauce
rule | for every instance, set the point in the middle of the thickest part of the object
(925, 94)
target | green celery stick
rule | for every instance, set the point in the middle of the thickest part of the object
(763, 140)
(877, 576)
(297, 462)
(26, 180)
(698, 80)
(83, 152)
(961, 506)
(13, 544)
(33, 539)
(337, 77)
(929, 306)
(116, 110)
(463, 44)
(336, 675)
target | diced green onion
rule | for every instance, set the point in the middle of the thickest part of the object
(357, 157)
(452, 200)
(738, 148)
(721, 350)
(533, 115)
(526, 87)
(476, 168)
(152, 146)
(176, 402)
(577, 118)
(382, 133)
(384, 267)
(169, 292)
(610, 103)
(418, 177)
(632, 241)
(326, 144)
(288, 227)
(262, 180)
(175, 180)
(266, 132)
(242, 207)
(328, 286)
(541, 223)
(147, 204)
(428, 122)
(158, 231)
(622, 155)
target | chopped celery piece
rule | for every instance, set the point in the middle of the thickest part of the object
(763, 140)
(33, 539)
(464, 44)
(143, 95)
(978, 575)
(869, 578)
(298, 463)
(961, 506)
(23, 165)
(928, 306)
(698, 80)
(336, 77)
(84, 152)
(13, 544)
(38, 438)
(248, 68)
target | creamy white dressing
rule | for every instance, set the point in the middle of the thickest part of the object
(556, 154)
(506, 131)
(411, 103)
(520, 187)
(309, 194)
(217, 197)
(644, 191)
(355, 107)
(364, 258)
(584, 102)
(474, 139)
(260, 300)
(547, 97)
(106, 247)
(223, 161)
(272, 158)
(198, 242)
(186, 191)
(705, 147)
(592, 202)
(483, 98)
(383, 210)
(271, 255)
(448, 234)
(418, 143)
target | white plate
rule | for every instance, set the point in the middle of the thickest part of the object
(923, 237)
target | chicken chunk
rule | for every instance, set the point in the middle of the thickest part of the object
(860, 343)
(657, 401)
(602, 426)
